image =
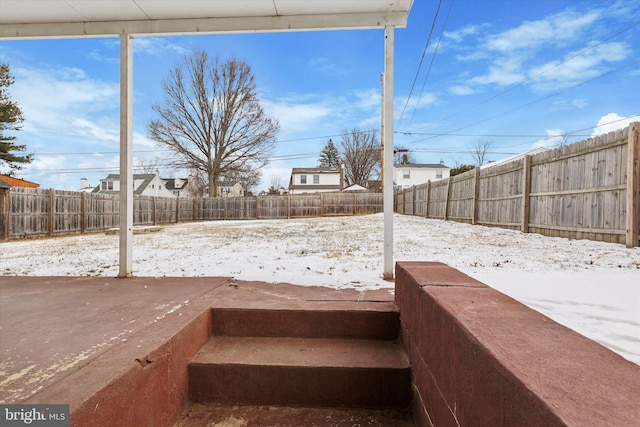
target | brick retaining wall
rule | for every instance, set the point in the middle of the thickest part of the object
(480, 358)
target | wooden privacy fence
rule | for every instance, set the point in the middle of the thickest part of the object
(587, 190)
(26, 212)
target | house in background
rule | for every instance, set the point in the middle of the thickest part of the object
(354, 188)
(404, 176)
(230, 189)
(315, 180)
(84, 186)
(17, 182)
(513, 158)
(185, 187)
(144, 184)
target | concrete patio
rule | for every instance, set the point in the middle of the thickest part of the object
(89, 341)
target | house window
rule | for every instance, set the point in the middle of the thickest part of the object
(303, 179)
(438, 174)
(104, 185)
(406, 174)
(107, 185)
(316, 179)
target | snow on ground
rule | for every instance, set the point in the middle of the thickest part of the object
(591, 287)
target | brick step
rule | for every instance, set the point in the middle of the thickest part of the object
(301, 372)
(334, 319)
(200, 415)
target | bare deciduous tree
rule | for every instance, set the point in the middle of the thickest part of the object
(212, 118)
(479, 151)
(562, 140)
(148, 166)
(360, 155)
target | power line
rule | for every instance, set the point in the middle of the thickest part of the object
(433, 57)
(516, 85)
(505, 112)
(424, 51)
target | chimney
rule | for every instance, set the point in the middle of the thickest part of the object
(84, 183)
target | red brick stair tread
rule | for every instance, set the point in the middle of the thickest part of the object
(305, 352)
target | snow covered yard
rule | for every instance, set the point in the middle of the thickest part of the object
(591, 287)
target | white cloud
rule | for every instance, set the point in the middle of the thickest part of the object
(99, 55)
(461, 90)
(554, 139)
(323, 65)
(555, 29)
(503, 72)
(296, 114)
(522, 54)
(54, 99)
(568, 104)
(612, 122)
(275, 173)
(460, 34)
(368, 99)
(577, 68)
(157, 46)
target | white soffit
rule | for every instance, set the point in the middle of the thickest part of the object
(98, 18)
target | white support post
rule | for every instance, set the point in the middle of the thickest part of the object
(126, 156)
(387, 137)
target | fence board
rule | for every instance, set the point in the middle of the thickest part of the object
(579, 190)
(30, 210)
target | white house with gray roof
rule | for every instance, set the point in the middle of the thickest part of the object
(404, 176)
(144, 184)
(315, 180)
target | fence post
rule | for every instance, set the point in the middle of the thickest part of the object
(633, 186)
(155, 210)
(5, 209)
(194, 209)
(177, 209)
(427, 197)
(83, 212)
(413, 201)
(446, 200)
(51, 212)
(224, 208)
(289, 206)
(355, 203)
(526, 190)
(476, 196)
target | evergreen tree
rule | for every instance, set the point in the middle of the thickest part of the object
(10, 119)
(459, 169)
(329, 156)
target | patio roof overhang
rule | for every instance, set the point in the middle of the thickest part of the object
(25, 19)
(91, 18)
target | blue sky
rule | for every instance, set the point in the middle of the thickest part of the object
(515, 73)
